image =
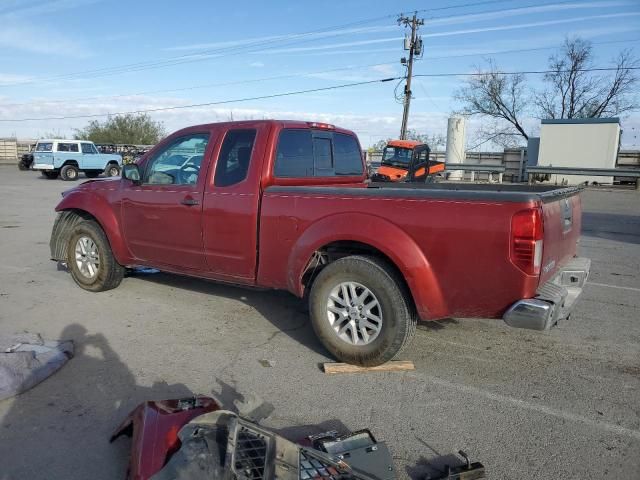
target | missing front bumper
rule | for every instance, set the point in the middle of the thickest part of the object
(554, 301)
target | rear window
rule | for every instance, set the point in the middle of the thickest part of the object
(294, 157)
(67, 147)
(44, 146)
(311, 153)
(348, 157)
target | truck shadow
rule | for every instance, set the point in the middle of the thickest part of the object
(611, 226)
(61, 427)
(283, 310)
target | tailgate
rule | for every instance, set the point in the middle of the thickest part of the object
(562, 219)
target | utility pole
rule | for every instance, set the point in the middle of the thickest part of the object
(414, 45)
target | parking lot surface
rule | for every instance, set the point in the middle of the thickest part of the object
(565, 404)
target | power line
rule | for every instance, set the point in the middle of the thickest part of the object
(524, 72)
(290, 75)
(300, 92)
(196, 87)
(195, 105)
(207, 53)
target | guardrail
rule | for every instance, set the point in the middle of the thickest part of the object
(477, 167)
(597, 172)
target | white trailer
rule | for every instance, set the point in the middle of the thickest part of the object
(579, 143)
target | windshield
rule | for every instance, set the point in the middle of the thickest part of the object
(44, 147)
(396, 156)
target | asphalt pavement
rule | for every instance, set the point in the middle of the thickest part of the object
(563, 404)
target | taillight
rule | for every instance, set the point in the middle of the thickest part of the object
(526, 240)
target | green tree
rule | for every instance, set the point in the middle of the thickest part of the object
(131, 129)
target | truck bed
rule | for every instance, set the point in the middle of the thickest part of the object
(462, 231)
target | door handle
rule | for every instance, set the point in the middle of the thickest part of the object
(189, 201)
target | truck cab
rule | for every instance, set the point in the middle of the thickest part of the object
(67, 158)
(406, 160)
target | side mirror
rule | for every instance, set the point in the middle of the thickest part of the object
(131, 172)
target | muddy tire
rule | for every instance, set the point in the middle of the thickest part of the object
(69, 173)
(50, 175)
(90, 259)
(361, 310)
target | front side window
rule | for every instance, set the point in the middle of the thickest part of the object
(44, 147)
(68, 147)
(235, 155)
(88, 148)
(178, 163)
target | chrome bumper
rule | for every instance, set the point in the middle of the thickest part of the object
(42, 166)
(554, 301)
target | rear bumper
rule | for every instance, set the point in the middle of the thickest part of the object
(554, 300)
(42, 166)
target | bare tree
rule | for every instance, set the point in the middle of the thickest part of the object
(574, 91)
(495, 94)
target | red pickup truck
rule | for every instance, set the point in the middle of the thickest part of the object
(286, 205)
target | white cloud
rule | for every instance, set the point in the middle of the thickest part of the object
(9, 78)
(24, 8)
(39, 39)
(513, 12)
(256, 64)
(520, 26)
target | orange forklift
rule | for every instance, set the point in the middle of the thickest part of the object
(407, 161)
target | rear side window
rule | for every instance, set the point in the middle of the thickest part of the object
(67, 147)
(348, 158)
(44, 147)
(310, 153)
(294, 157)
(235, 156)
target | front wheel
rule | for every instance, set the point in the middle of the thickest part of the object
(90, 259)
(361, 310)
(112, 171)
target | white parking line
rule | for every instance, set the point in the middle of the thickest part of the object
(614, 286)
(609, 427)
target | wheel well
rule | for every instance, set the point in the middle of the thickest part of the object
(70, 162)
(112, 162)
(336, 250)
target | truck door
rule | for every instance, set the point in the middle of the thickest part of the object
(91, 159)
(162, 217)
(231, 204)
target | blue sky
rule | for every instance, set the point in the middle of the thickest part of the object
(80, 57)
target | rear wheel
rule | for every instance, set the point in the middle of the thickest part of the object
(69, 173)
(112, 170)
(360, 310)
(49, 174)
(90, 259)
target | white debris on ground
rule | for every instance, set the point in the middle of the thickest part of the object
(26, 360)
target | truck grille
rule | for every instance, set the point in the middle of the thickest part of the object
(250, 454)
